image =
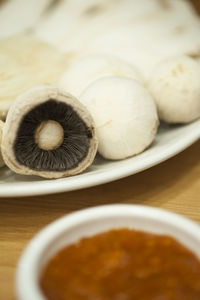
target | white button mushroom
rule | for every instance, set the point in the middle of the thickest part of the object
(125, 116)
(48, 133)
(87, 69)
(175, 87)
(1, 158)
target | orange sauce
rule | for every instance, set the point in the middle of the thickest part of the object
(123, 265)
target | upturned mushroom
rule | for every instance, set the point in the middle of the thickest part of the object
(85, 70)
(175, 87)
(125, 116)
(1, 158)
(48, 133)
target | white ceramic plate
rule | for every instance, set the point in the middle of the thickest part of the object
(169, 141)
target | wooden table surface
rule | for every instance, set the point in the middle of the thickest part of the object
(173, 185)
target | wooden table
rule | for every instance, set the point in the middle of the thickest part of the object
(172, 185)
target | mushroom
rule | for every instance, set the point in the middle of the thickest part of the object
(25, 62)
(154, 32)
(87, 69)
(1, 158)
(48, 133)
(73, 23)
(175, 87)
(125, 116)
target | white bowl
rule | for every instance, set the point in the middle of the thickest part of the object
(88, 222)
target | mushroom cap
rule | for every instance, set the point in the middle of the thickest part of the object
(87, 69)
(175, 87)
(1, 158)
(20, 111)
(124, 113)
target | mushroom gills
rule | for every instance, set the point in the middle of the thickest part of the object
(45, 151)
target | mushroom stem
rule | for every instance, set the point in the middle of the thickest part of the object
(49, 135)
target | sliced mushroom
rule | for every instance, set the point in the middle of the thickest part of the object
(48, 133)
(1, 158)
(124, 113)
(175, 87)
(87, 69)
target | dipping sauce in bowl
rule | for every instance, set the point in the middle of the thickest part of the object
(112, 252)
(122, 264)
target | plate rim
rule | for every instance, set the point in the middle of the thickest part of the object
(46, 187)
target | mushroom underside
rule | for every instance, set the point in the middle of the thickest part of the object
(67, 154)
